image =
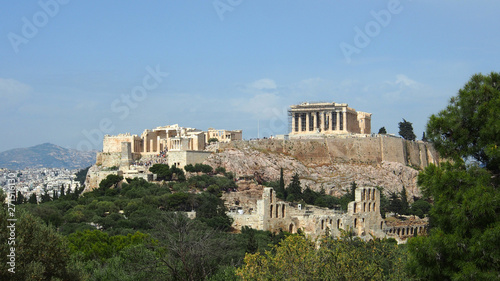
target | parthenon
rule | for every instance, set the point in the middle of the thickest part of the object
(328, 118)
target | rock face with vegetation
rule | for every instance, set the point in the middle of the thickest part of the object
(321, 166)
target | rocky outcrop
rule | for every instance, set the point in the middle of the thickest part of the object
(316, 167)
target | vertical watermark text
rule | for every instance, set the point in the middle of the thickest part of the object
(11, 222)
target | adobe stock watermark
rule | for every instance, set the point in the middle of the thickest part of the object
(11, 222)
(363, 37)
(48, 9)
(122, 106)
(223, 6)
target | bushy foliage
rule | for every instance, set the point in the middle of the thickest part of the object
(40, 252)
(299, 258)
(198, 167)
(465, 218)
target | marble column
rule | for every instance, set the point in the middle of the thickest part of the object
(345, 121)
(315, 121)
(300, 122)
(307, 121)
(338, 121)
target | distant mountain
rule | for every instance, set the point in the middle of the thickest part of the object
(46, 155)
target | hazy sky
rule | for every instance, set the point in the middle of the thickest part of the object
(71, 71)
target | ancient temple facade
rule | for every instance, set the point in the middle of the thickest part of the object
(328, 118)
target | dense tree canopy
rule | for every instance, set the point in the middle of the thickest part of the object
(470, 124)
(465, 218)
(299, 258)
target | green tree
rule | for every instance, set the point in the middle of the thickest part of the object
(294, 190)
(298, 258)
(162, 171)
(281, 192)
(382, 131)
(33, 199)
(470, 124)
(40, 253)
(211, 140)
(465, 218)
(406, 130)
(424, 137)
(109, 181)
(189, 249)
(405, 206)
(420, 208)
(46, 196)
(62, 190)
(81, 175)
(20, 198)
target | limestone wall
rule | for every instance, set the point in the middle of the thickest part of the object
(108, 159)
(95, 176)
(352, 149)
(182, 158)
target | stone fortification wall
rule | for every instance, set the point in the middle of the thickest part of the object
(368, 150)
(108, 159)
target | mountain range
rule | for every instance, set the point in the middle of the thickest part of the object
(46, 155)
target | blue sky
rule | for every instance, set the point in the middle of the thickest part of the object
(72, 71)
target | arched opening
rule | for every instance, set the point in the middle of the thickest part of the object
(277, 211)
(373, 194)
(338, 224)
(399, 231)
(363, 195)
(355, 205)
(369, 207)
(369, 194)
(271, 195)
(322, 224)
(355, 222)
(374, 206)
(290, 228)
(402, 232)
(381, 224)
(271, 211)
(364, 207)
(283, 211)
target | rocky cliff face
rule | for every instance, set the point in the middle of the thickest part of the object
(316, 166)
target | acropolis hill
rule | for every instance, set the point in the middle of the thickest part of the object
(330, 147)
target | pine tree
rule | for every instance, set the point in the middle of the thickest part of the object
(281, 192)
(406, 130)
(294, 190)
